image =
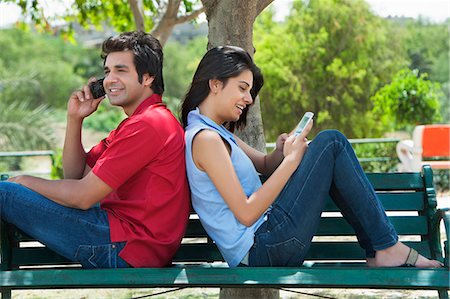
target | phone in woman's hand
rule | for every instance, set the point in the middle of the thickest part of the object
(306, 119)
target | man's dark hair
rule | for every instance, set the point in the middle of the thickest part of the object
(221, 63)
(147, 52)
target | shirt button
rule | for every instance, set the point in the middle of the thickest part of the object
(113, 245)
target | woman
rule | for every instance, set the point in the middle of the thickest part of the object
(272, 224)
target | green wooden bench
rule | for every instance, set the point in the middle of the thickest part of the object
(335, 259)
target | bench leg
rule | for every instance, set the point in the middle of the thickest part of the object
(443, 294)
(6, 293)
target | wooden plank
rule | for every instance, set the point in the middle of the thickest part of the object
(352, 251)
(405, 201)
(396, 181)
(404, 225)
(335, 277)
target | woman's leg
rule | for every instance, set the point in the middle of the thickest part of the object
(328, 167)
(78, 235)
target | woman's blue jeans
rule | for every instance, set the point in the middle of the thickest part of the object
(328, 168)
(79, 235)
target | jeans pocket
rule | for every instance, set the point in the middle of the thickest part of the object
(99, 256)
(286, 253)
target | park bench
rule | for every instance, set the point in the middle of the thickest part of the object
(335, 259)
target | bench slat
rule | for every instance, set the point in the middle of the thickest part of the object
(404, 225)
(194, 276)
(396, 181)
(352, 250)
(409, 201)
(208, 252)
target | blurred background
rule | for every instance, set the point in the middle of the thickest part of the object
(371, 69)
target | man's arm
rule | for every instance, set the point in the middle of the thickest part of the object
(78, 194)
(80, 105)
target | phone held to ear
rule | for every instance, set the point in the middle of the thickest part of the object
(306, 119)
(97, 89)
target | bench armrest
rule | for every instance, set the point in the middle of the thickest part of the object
(441, 214)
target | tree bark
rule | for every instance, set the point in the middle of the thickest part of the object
(230, 22)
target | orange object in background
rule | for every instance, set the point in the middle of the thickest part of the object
(430, 146)
(436, 141)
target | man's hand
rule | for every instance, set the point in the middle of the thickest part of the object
(20, 179)
(279, 144)
(81, 103)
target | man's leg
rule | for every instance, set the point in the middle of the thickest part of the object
(79, 235)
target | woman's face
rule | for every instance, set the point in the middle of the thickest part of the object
(234, 96)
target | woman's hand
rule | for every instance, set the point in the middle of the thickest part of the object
(295, 146)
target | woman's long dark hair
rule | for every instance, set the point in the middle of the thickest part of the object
(220, 63)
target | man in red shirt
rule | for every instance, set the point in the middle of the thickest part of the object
(137, 173)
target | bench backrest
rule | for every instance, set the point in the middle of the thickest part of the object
(409, 199)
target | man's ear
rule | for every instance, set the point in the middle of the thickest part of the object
(215, 85)
(147, 80)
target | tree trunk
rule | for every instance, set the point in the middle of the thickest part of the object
(230, 22)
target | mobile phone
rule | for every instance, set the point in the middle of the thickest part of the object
(97, 89)
(306, 119)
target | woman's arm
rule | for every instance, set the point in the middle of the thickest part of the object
(265, 163)
(211, 155)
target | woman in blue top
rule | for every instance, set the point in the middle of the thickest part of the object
(272, 224)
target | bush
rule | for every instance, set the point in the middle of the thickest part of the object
(105, 119)
(376, 151)
(409, 100)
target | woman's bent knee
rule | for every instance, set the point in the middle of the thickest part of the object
(330, 135)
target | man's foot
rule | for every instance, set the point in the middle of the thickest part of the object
(401, 255)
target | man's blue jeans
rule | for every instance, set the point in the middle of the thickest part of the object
(328, 168)
(78, 235)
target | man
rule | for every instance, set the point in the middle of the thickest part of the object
(137, 173)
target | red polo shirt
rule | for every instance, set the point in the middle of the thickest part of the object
(143, 161)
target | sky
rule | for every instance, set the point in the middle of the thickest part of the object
(434, 10)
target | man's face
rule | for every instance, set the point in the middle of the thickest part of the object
(121, 82)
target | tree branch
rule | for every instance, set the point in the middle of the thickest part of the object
(261, 5)
(138, 13)
(191, 16)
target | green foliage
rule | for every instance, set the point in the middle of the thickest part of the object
(24, 128)
(56, 172)
(105, 119)
(428, 50)
(441, 179)
(380, 157)
(409, 100)
(329, 57)
(180, 64)
(40, 68)
(116, 13)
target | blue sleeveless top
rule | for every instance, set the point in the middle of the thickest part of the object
(233, 239)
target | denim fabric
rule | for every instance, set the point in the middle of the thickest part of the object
(329, 167)
(78, 235)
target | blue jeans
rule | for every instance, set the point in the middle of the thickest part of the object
(328, 168)
(79, 235)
